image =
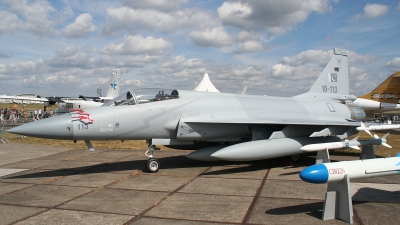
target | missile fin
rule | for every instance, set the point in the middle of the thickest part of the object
(386, 145)
(384, 137)
(355, 147)
(376, 136)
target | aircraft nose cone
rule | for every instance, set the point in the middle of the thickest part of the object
(317, 174)
(58, 127)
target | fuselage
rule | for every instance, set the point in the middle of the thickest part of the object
(189, 116)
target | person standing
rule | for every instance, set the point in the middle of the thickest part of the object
(40, 114)
(35, 114)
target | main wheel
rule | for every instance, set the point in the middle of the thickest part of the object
(295, 158)
(152, 165)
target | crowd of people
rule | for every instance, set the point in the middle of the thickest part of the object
(382, 118)
(14, 114)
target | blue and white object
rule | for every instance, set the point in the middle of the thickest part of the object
(335, 172)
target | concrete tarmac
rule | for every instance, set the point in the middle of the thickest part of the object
(47, 185)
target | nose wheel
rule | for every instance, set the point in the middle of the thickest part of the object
(152, 165)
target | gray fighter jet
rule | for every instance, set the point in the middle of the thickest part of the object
(221, 126)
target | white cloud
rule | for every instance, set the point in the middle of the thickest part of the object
(277, 16)
(22, 69)
(394, 64)
(373, 11)
(249, 46)
(293, 73)
(71, 57)
(36, 15)
(245, 36)
(66, 79)
(321, 58)
(159, 5)
(211, 37)
(9, 23)
(130, 61)
(82, 26)
(182, 62)
(311, 56)
(127, 18)
(138, 45)
(359, 74)
(67, 51)
(366, 59)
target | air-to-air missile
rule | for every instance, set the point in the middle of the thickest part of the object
(354, 143)
(335, 172)
(377, 127)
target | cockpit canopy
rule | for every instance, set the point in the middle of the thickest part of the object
(144, 95)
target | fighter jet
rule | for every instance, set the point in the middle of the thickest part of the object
(384, 98)
(234, 127)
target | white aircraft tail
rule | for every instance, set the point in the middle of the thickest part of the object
(334, 80)
(113, 89)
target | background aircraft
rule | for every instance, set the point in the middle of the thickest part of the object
(383, 98)
(28, 99)
(84, 103)
(240, 127)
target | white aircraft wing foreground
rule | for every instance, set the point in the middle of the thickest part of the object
(220, 125)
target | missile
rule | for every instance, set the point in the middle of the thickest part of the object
(335, 172)
(354, 143)
(265, 149)
(377, 127)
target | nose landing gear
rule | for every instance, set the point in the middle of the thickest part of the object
(153, 164)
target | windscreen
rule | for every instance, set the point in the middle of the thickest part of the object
(141, 96)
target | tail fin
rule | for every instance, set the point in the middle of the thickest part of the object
(333, 82)
(113, 89)
(388, 91)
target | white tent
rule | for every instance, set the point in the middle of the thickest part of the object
(206, 85)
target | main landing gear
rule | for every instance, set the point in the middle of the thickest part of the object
(153, 164)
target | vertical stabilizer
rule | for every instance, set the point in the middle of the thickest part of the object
(113, 89)
(388, 91)
(333, 82)
(334, 79)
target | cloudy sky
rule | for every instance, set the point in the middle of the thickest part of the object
(275, 47)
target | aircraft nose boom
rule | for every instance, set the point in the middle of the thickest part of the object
(58, 127)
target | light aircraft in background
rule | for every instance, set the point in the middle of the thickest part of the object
(384, 98)
(236, 127)
(83, 103)
(28, 99)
